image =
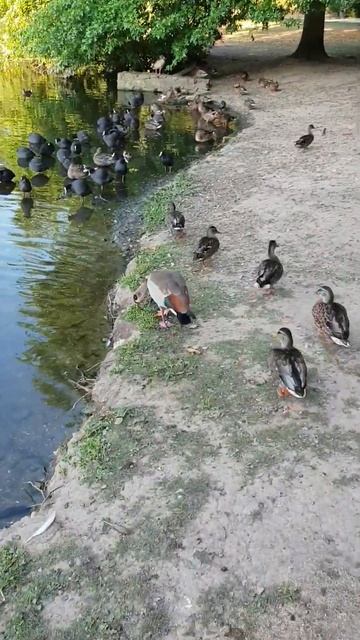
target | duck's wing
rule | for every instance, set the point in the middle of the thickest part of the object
(292, 369)
(206, 247)
(338, 321)
(269, 271)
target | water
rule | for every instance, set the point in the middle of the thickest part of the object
(56, 272)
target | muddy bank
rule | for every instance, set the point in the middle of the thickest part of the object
(196, 503)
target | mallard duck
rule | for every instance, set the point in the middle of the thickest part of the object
(250, 103)
(331, 317)
(307, 139)
(6, 175)
(204, 136)
(158, 65)
(169, 291)
(217, 119)
(273, 85)
(77, 171)
(152, 125)
(270, 270)
(263, 82)
(27, 93)
(290, 366)
(208, 245)
(102, 159)
(167, 160)
(25, 185)
(80, 188)
(176, 220)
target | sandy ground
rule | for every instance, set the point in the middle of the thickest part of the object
(248, 528)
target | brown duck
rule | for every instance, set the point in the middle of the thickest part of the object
(290, 366)
(331, 318)
(208, 245)
(169, 291)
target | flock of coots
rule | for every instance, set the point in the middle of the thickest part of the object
(109, 162)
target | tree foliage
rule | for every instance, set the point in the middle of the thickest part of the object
(122, 34)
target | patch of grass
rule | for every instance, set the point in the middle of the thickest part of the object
(157, 205)
(157, 355)
(240, 608)
(160, 536)
(148, 260)
(113, 446)
(13, 566)
(143, 317)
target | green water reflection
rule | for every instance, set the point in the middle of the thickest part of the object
(56, 271)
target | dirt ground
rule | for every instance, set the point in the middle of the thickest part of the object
(218, 510)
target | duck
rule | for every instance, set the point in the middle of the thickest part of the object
(169, 291)
(331, 318)
(307, 139)
(80, 187)
(6, 175)
(242, 90)
(27, 93)
(244, 75)
(170, 96)
(263, 82)
(215, 105)
(204, 136)
(270, 270)
(176, 220)
(273, 85)
(158, 65)
(153, 125)
(250, 103)
(217, 118)
(137, 100)
(290, 366)
(25, 185)
(167, 160)
(208, 245)
(77, 171)
(102, 159)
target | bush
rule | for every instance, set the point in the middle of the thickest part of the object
(122, 34)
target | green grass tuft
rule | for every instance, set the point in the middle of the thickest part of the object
(156, 207)
(143, 317)
(13, 565)
(157, 355)
(146, 261)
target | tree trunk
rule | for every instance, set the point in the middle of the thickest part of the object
(311, 45)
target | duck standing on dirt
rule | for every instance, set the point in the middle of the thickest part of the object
(176, 221)
(290, 365)
(169, 291)
(270, 270)
(304, 141)
(331, 318)
(208, 245)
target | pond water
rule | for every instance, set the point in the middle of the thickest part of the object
(56, 271)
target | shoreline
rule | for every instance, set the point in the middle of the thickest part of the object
(216, 507)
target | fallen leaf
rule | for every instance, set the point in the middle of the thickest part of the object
(195, 351)
(44, 527)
